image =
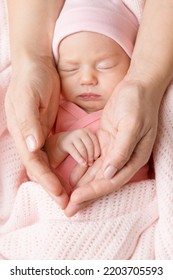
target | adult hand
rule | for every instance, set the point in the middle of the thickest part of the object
(127, 134)
(31, 105)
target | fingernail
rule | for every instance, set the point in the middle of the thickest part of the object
(110, 171)
(83, 163)
(69, 211)
(31, 143)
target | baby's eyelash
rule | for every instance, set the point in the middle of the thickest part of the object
(68, 67)
(68, 70)
(106, 67)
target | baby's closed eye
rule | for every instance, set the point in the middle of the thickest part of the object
(106, 64)
(68, 67)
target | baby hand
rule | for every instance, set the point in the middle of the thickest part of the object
(81, 144)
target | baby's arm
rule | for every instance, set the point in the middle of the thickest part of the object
(81, 144)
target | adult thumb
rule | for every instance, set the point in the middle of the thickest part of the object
(25, 121)
(119, 154)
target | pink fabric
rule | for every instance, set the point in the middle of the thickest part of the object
(111, 18)
(71, 117)
(133, 223)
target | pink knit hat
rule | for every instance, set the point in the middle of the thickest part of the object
(108, 17)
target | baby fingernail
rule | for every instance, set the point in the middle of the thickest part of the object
(110, 171)
(90, 163)
(83, 163)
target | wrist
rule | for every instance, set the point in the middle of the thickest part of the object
(146, 90)
(149, 79)
(28, 59)
(24, 49)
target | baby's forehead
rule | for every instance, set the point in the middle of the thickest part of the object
(88, 44)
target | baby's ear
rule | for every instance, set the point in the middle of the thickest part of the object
(77, 174)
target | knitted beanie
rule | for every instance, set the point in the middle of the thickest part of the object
(111, 18)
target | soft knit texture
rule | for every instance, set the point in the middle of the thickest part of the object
(133, 223)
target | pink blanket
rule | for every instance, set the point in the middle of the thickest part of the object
(133, 223)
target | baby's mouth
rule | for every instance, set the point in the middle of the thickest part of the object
(89, 96)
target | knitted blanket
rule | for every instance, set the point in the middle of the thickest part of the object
(135, 222)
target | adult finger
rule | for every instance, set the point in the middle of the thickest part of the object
(27, 120)
(124, 149)
(37, 167)
(39, 170)
(120, 150)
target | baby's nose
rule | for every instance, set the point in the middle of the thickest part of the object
(88, 76)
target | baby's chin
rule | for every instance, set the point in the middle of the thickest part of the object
(91, 110)
(91, 106)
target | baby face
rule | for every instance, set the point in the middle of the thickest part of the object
(90, 66)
